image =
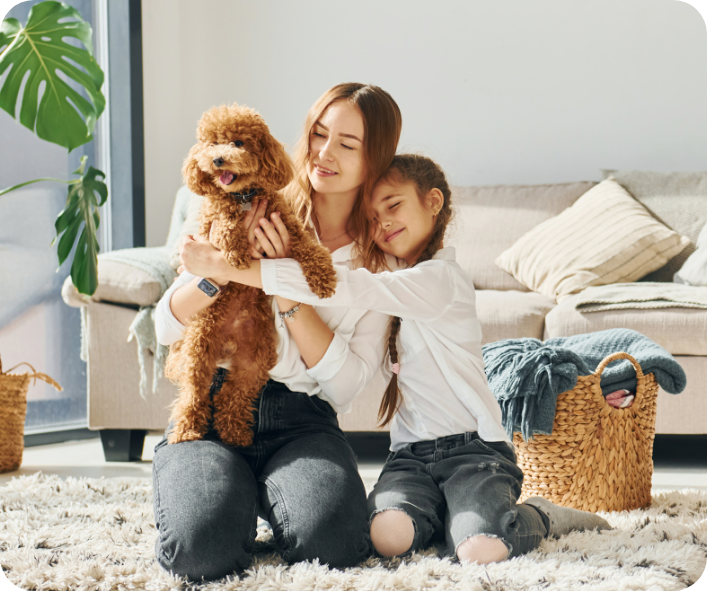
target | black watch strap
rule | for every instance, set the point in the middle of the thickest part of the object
(208, 287)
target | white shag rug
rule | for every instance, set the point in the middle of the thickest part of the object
(86, 534)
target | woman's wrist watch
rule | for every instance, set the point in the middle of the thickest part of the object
(209, 287)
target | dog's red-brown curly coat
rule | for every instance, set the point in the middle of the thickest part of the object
(238, 326)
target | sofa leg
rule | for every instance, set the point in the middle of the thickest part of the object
(123, 445)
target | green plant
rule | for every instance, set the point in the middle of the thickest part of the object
(61, 116)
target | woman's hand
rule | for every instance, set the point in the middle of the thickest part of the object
(251, 221)
(198, 256)
(272, 238)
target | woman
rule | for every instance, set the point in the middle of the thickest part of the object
(299, 473)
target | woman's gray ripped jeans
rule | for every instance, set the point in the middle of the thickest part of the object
(299, 473)
(457, 487)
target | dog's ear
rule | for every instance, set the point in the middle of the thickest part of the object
(276, 166)
(196, 180)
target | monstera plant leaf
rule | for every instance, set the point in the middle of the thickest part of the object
(40, 53)
(86, 195)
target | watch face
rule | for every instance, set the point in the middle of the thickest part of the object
(207, 287)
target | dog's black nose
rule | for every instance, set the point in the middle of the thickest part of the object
(218, 161)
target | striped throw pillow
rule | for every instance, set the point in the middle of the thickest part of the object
(606, 236)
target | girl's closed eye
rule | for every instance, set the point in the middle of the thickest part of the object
(406, 230)
(347, 147)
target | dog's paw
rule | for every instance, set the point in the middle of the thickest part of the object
(238, 259)
(185, 436)
(323, 285)
(326, 291)
(237, 439)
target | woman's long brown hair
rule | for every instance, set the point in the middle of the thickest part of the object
(382, 124)
(425, 175)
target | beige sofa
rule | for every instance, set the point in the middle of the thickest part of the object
(488, 220)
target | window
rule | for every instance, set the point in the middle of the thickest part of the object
(36, 326)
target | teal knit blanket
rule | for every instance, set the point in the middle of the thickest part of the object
(527, 375)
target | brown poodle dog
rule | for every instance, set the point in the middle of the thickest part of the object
(234, 165)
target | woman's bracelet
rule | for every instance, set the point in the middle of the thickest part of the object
(287, 315)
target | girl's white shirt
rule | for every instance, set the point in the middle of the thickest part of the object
(349, 364)
(442, 378)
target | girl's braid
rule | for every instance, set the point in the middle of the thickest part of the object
(425, 175)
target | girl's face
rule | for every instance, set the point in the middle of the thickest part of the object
(335, 164)
(403, 222)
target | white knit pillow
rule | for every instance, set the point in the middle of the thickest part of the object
(606, 236)
(694, 271)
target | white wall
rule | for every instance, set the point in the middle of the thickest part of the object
(498, 91)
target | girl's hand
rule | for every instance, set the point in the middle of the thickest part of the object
(198, 256)
(273, 238)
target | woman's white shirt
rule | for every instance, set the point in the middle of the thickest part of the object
(442, 379)
(349, 364)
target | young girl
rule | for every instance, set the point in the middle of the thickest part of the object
(300, 472)
(452, 475)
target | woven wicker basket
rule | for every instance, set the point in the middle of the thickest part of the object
(598, 458)
(13, 408)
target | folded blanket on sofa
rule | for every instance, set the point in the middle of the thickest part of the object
(640, 295)
(527, 375)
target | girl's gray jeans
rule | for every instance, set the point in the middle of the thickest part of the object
(300, 473)
(457, 487)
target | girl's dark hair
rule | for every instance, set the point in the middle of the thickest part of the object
(425, 175)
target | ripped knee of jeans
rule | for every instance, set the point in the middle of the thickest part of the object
(483, 549)
(492, 466)
(390, 535)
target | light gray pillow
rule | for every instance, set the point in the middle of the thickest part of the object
(677, 199)
(694, 271)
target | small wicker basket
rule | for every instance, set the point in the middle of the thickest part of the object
(598, 458)
(13, 408)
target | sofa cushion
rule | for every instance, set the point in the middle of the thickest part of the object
(606, 236)
(118, 283)
(677, 199)
(488, 220)
(681, 331)
(511, 314)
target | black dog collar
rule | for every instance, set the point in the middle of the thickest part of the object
(243, 198)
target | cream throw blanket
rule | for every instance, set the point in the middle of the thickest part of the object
(640, 295)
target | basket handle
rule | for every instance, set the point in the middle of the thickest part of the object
(35, 374)
(615, 357)
(14, 367)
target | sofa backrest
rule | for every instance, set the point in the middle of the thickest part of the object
(489, 219)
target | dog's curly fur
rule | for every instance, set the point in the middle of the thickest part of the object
(239, 325)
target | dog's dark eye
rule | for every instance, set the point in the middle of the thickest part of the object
(237, 143)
